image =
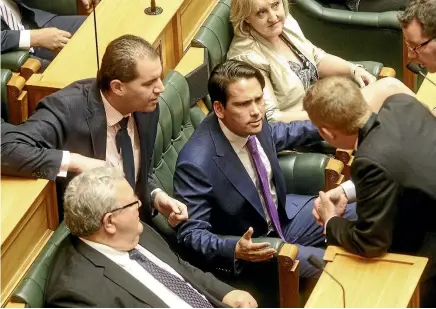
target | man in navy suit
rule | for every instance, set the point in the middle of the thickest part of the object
(229, 177)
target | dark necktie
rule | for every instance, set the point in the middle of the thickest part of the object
(124, 145)
(170, 281)
(262, 175)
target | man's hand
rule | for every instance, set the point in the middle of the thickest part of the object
(50, 38)
(79, 163)
(324, 208)
(337, 196)
(247, 251)
(239, 299)
(175, 211)
(86, 3)
(363, 77)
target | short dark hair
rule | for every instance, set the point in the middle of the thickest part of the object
(120, 57)
(227, 73)
(424, 11)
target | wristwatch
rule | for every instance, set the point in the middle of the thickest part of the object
(153, 194)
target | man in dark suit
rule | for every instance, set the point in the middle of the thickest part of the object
(111, 259)
(229, 177)
(111, 120)
(393, 172)
(419, 31)
(43, 33)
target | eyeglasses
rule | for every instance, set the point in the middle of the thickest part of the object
(415, 49)
(137, 202)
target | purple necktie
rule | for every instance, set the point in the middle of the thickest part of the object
(264, 184)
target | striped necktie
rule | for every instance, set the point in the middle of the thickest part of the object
(10, 19)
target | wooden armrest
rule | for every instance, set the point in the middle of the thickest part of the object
(15, 305)
(333, 173)
(289, 273)
(30, 67)
(17, 100)
(387, 72)
(346, 157)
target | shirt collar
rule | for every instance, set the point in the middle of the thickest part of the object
(112, 115)
(237, 142)
(113, 254)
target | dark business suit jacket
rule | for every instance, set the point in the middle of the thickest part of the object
(73, 119)
(31, 19)
(394, 172)
(220, 195)
(83, 277)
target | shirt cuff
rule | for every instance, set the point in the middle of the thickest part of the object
(65, 164)
(157, 190)
(24, 42)
(349, 190)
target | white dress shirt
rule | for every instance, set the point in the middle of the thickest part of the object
(239, 146)
(349, 190)
(12, 7)
(122, 259)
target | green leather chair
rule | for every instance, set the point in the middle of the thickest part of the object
(304, 174)
(352, 35)
(14, 60)
(5, 77)
(30, 290)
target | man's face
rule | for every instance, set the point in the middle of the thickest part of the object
(143, 92)
(127, 223)
(425, 55)
(245, 108)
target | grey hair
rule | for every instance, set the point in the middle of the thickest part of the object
(88, 197)
(424, 11)
(240, 10)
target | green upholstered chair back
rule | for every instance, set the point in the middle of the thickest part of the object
(31, 289)
(5, 77)
(216, 33)
(352, 35)
(174, 129)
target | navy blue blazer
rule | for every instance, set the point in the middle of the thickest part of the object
(220, 196)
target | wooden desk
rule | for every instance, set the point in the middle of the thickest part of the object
(390, 281)
(170, 33)
(427, 92)
(29, 217)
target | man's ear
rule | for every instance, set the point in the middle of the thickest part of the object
(117, 87)
(218, 108)
(324, 132)
(108, 224)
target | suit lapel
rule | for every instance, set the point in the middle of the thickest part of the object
(97, 122)
(142, 123)
(232, 167)
(118, 275)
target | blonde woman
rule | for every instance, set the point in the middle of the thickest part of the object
(270, 39)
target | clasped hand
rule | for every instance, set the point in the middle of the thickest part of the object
(329, 204)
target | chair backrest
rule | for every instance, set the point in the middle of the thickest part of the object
(31, 289)
(216, 33)
(5, 77)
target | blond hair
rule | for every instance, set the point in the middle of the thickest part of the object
(240, 10)
(337, 102)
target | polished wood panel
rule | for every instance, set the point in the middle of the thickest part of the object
(17, 99)
(389, 281)
(192, 14)
(29, 217)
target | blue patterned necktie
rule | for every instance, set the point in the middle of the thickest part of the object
(124, 146)
(262, 175)
(170, 281)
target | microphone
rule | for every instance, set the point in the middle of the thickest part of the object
(416, 69)
(95, 34)
(153, 9)
(315, 262)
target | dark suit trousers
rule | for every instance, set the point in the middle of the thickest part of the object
(307, 235)
(67, 23)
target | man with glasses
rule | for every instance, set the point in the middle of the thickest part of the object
(112, 259)
(419, 29)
